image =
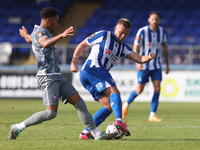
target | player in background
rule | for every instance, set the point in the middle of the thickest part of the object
(50, 80)
(151, 38)
(106, 48)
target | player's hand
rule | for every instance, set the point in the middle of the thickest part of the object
(151, 55)
(74, 67)
(23, 32)
(68, 32)
(167, 69)
(139, 66)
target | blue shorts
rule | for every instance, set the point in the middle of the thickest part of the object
(143, 76)
(95, 80)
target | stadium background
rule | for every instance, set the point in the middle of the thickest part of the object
(179, 17)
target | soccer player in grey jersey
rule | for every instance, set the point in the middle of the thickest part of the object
(50, 80)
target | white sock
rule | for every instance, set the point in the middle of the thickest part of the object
(21, 126)
(120, 119)
(152, 114)
(85, 131)
(96, 132)
(125, 104)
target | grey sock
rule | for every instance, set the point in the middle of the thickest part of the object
(40, 117)
(84, 115)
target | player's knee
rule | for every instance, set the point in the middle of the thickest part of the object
(138, 91)
(50, 114)
(157, 89)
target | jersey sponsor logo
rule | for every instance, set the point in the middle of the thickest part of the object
(113, 58)
(149, 44)
(154, 45)
(108, 51)
(54, 98)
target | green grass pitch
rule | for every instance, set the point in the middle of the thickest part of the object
(180, 129)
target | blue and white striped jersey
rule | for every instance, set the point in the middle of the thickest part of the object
(47, 58)
(105, 50)
(150, 41)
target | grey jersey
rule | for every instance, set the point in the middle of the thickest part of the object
(47, 58)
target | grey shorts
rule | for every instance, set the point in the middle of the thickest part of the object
(54, 87)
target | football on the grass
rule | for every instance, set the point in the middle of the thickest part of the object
(111, 128)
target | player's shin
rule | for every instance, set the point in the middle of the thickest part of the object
(116, 105)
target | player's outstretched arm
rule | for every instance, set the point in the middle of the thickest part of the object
(141, 59)
(77, 53)
(24, 33)
(47, 42)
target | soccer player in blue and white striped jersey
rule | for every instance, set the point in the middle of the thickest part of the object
(151, 38)
(107, 47)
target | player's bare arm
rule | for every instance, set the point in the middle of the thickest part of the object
(78, 51)
(46, 42)
(24, 33)
(136, 50)
(166, 56)
(141, 59)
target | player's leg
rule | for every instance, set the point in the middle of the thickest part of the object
(36, 118)
(103, 81)
(50, 100)
(142, 79)
(100, 115)
(69, 94)
(116, 105)
(156, 77)
(155, 102)
(133, 95)
(87, 119)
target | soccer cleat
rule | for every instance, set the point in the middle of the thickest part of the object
(86, 136)
(105, 136)
(14, 132)
(124, 111)
(122, 126)
(155, 119)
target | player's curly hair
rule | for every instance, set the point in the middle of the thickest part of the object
(48, 12)
(125, 22)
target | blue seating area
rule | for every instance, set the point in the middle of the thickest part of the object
(15, 14)
(179, 17)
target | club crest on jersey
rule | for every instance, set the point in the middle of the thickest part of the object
(91, 36)
(40, 34)
(138, 38)
(149, 44)
(108, 51)
(54, 98)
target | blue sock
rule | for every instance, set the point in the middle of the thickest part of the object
(154, 102)
(132, 96)
(100, 116)
(116, 105)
